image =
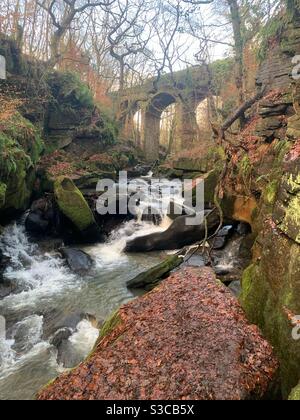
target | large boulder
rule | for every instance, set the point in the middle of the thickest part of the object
(75, 208)
(78, 261)
(187, 339)
(178, 235)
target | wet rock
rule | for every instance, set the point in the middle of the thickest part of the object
(178, 235)
(287, 207)
(198, 346)
(60, 336)
(221, 271)
(268, 127)
(6, 288)
(243, 228)
(152, 277)
(222, 237)
(293, 130)
(236, 287)
(42, 218)
(78, 261)
(36, 223)
(4, 260)
(69, 355)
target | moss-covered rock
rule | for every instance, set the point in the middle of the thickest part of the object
(271, 297)
(20, 148)
(72, 204)
(152, 277)
(210, 180)
(287, 207)
(293, 129)
(202, 164)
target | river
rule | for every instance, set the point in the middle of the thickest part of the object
(48, 297)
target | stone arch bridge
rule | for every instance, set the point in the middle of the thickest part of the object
(186, 89)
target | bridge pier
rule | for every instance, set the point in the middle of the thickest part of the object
(186, 134)
(151, 134)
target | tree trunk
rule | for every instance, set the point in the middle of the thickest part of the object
(122, 75)
(238, 46)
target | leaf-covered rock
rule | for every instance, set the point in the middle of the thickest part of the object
(187, 339)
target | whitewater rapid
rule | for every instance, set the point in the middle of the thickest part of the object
(46, 290)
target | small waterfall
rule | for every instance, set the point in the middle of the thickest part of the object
(35, 275)
(230, 255)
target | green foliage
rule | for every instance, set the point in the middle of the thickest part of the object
(221, 71)
(25, 134)
(68, 89)
(109, 130)
(245, 169)
(270, 32)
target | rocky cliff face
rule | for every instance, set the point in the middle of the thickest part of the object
(264, 176)
(49, 114)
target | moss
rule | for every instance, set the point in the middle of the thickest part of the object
(291, 222)
(68, 89)
(20, 148)
(245, 169)
(271, 295)
(23, 132)
(109, 325)
(214, 158)
(210, 182)
(270, 192)
(154, 275)
(3, 188)
(254, 294)
(295, 394)
(72, 203)
(270, 32)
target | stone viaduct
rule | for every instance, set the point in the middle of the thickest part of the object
(186, 89)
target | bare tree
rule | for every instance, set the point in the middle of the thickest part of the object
(62, 13)
(130, 30)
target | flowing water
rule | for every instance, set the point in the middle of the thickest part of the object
(46, 293)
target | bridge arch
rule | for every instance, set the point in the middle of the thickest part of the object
(152, 122)
(186, 89)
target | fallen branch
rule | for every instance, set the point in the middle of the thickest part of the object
(240, 111)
